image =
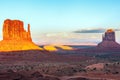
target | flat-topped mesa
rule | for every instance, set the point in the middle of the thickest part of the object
(14, 30)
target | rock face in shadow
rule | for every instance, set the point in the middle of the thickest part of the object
(108, 44)
(108, 40)
(15, 37)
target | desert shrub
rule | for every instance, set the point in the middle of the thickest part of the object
(94, 69)
(115, 72)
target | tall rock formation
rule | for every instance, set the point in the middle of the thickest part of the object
(14, 30)
(15, 37)
(108, 44)
(108, 40)
(109, 35)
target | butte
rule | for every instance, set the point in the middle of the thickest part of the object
(109, 41)
(107, 45)
(15, 37)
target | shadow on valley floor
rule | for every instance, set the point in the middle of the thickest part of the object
(42, 56)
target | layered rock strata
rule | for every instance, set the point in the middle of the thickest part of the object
(15, 37)
(108, 40)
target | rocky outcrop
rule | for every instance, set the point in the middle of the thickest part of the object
(108, 40)
(15, 37)
(14, 30)
(108, 44)
(109, 35)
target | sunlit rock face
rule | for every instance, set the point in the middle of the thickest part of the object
(14, 30)
(15, 37)
(108, 40)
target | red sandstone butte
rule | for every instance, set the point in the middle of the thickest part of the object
(15, 37)
(108, 40)
(14, 30)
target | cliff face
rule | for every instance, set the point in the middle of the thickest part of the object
(108, 44)
(108, 40)
(14, 30)
(109, 35)
(16, 38)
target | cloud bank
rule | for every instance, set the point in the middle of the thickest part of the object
(96, 30)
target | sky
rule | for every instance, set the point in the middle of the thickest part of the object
(64, 21)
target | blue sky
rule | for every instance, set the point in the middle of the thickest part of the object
(62, 16)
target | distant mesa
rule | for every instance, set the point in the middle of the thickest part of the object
(108, 40)
(15, 37)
